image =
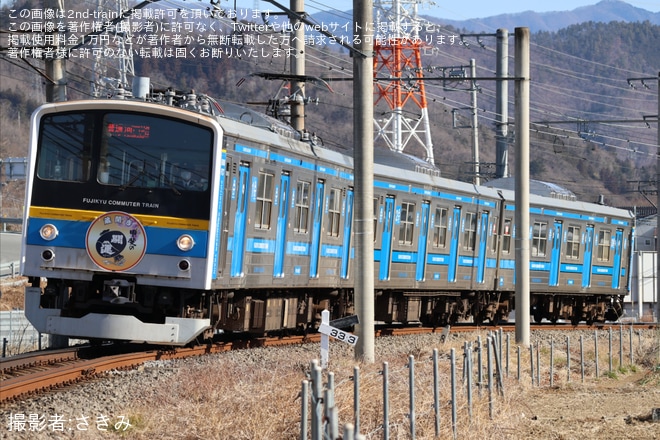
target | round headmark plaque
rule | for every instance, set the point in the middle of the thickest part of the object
(116, 241)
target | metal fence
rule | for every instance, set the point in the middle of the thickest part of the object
(479, 375)
(10, 269)
(17, 334)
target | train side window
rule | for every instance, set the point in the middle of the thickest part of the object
(604, 243)
(506, 236)
(264, 201)
(407, 223)
(539, 239)
(334, 212)
(573, 242)
(301, 219)
(470, 232)
(440, 227)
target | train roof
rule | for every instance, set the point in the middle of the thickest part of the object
(263, 129)
(399, 165)
(545, 189)
(237, 112)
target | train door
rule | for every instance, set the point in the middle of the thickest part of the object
(316, 230)
(386, 245)
(346, 242)
(422, 243)
(240, 220)
(282, 221)
(618, 249)
(226, 206)
(588, 253)
(455, 227)
(483, 242)
(555, 258)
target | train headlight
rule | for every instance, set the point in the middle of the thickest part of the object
(185, 242)
(48, 232)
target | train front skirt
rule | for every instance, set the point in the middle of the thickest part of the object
(175, 331)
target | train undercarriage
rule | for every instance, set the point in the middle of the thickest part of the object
(270, 311)
(576, 308)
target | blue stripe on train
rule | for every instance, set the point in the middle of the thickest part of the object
(72, 234)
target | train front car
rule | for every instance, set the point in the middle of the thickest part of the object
(118, 243)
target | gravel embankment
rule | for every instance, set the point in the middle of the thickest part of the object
(144, 397)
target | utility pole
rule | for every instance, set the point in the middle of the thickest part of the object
(363, 166)
(522, 185)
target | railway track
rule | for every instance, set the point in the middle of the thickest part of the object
(32, 373)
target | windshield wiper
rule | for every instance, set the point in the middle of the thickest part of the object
(135, 178)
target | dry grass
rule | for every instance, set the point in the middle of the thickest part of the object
(256, 394)
(12, 293)
(258, 397)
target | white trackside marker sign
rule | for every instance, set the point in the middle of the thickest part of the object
(328, 331)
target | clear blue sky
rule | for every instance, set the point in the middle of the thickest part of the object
(465, 9)
(449, 9)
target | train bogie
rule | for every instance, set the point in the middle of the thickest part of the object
(398, 308)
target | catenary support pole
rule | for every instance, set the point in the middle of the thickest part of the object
(475, 123)
(657, 241)
(363, 158)
(297, 88)
(522, 185)
(55, 68)
(502, 104)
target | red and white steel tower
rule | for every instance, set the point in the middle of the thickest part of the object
(399, 77)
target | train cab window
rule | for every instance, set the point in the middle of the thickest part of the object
(301, 219)
(264, 201)
(334, 212)
(470, 231)
(64, 150)
(573, 242)
(407, 226)
(604, 244)
(506, 236)
(440, 227)
(148, 151)
(539, 239)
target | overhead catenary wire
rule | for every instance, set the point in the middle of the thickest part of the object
(335, 61)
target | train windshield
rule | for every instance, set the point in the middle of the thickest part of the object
(125, 150)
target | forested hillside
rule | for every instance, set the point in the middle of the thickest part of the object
(579, 75)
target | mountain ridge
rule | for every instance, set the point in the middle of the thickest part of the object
(604, 11)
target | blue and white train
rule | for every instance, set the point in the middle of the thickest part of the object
(169, 219)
